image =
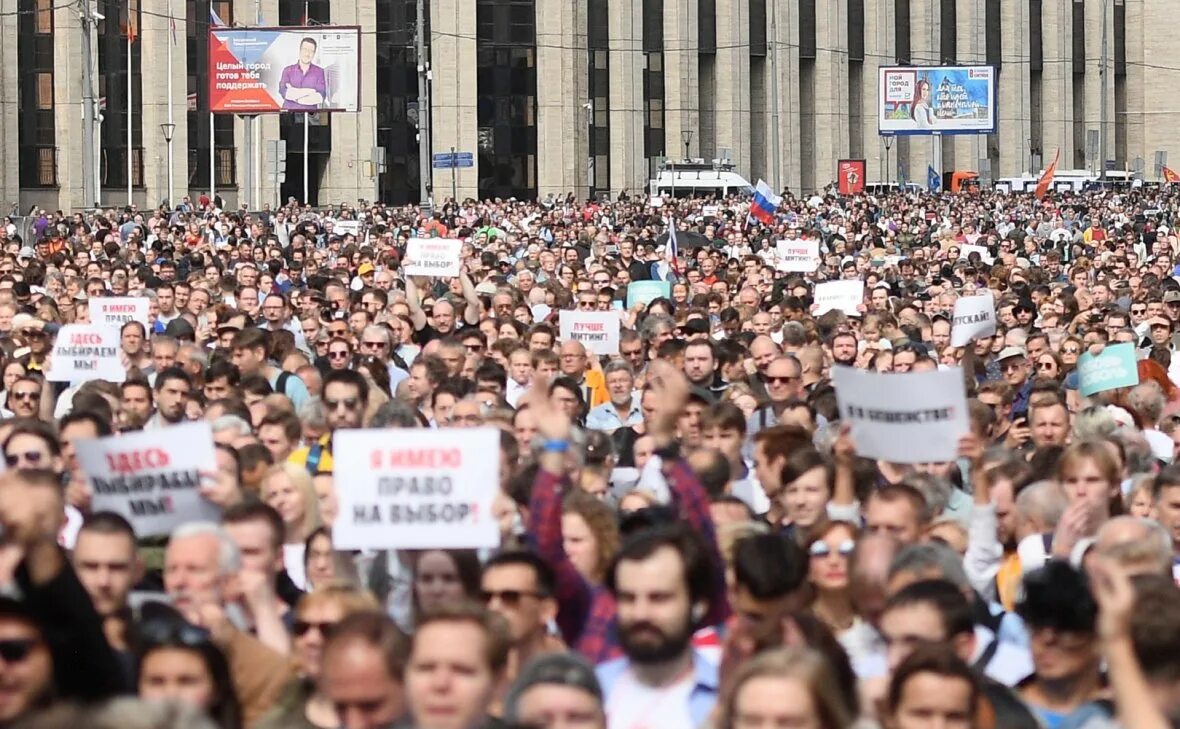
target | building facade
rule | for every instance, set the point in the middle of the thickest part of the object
(582, 96)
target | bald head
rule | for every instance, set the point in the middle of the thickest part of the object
(1140, 546)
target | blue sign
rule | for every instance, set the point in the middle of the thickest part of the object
(450, 160)
(1115, 367)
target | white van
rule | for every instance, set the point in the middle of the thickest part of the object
(697, 178)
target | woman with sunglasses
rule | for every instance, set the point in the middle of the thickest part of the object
(827, 572)
(179, 662)
(302, 705)
(33, 444)
(1071, 350)
(339, 353)
(1049, 365)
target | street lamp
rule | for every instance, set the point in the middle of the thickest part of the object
(169, 129)
(686, 136)
(888, 139)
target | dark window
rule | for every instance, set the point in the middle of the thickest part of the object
(36, 126)
(1036, 46)
(653, 99)
(948, 27)
(122, 111)
(901, 31)
(1079, 37)
(293, 126)
(397, 100)
(1120, 38)
(758, 22)
(707, 25)
(506, 104)
(199, 119)
(807, 28)
(856, 30)
(993, 33)
(653, 26)
(598, 38)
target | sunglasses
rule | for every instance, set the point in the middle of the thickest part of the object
(15, 650)
(1046, 365)
(373, 345)
(822, 549)
(773, 380)
(349, 403)
(33, 458)
(301, 628)
(1070, 350)
(338, 355)
(27, 395)
(508, 598)
(158, 631)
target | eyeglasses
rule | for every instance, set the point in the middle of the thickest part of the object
(373, 345)
(27, 395)
(302, 627)
(508, 598)
(33, 458)
(15, 650)
(781, 380)
(823, 549)
(1070, 350)
(338, 355)
(158, 631)
(349, 403)
(1140, 310)
(1010, 366)
(1049, 365)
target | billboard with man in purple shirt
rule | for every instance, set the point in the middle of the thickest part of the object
(259, 70)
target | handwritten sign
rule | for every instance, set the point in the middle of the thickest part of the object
(1112, 368)
(798, 255)
(911, 417)
(426, 489)
(974, 318)
(118, 310)
(843, 295)
(152, 477)
(86, 352)
(433, 257)
(985, 256)
(598, 331)
(644, 292)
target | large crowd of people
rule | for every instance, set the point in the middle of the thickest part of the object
(689, 536)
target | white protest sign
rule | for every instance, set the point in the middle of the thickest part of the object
(152, 477)
(433, 257)
(598, 331)
(974, 317)
(86, 352)
(118, 310)
(424, 489)
(798, 255)
(912, 417)
(347, 227)
(843, 295)
(711, 211)
(967, 249)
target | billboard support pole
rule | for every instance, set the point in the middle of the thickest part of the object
(306, 126)
(1102, 100)
(248, 175)
(130, 108)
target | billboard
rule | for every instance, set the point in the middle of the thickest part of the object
(936, 100)
(850, 174)
(264, 70)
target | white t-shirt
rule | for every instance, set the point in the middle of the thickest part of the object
(632, 705)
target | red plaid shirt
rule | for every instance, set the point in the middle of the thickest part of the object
(587, 614)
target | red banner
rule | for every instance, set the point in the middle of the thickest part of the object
(851, 176)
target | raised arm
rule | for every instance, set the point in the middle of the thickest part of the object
(414, 301)
(474, 309)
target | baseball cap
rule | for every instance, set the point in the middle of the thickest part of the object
(364, 268)
(1010, 352)
(1171, 297)
(1159, 321)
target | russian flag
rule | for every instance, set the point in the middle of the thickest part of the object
(765, 203)
(215, 19)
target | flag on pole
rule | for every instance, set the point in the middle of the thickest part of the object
(172, 26)
(129, 21)
(764, 204)
(1170, 175)
(1046, 180)
(933, 179)
(672, 248)
(215, 19)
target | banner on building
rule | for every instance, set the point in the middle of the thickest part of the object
(912, 417)
(425, 489)
(261, 70)
(936, 100)
(850, 174)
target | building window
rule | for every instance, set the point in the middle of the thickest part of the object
(199, 119)
(44, 25)
(46, 166)
(121, 113)
(506, 72)
(44, 91)
(36, 125)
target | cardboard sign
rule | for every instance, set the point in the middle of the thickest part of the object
(424, 489)
(644, 292)
(1114, 367)
(433, 257)
(347, 227)
(843, 295)
(984, 255)
(86, 352)
(798, 255)
(152, 477)
(598, 331)
(912, 417)
(974, 317)
(118, 310)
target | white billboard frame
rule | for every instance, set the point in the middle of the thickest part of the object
(897, 94)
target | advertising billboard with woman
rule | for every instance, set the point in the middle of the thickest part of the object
(936, 100)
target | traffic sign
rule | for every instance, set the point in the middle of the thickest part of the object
(451, 160)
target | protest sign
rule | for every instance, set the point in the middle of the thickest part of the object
(1114, 367)
(86, 352)
(433, 257)
(598, 331)
(843, 295)
(118, 310)
(643, 292)
(798, 255)
(347, 227)
(912, 417)
(974, 317)
(152, 477)
(985, 256)
(425, 489)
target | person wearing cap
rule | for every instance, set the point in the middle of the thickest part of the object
(1159, 330)
(556, 691)
(1013, 363)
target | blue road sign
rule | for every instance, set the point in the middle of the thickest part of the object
(449, 160)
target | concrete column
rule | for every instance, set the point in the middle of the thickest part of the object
(348, 174)
(1158, 105)
(454, 116)
(965, 150)
(265, 126)
(786, 122)
(562, 88)
(1136, 96)
(156, 37)
(628, 166)
(1057, 81)
(681, 77)
(1095, 85)
(1013, 89)
(880, 50)
(732, 82)
(67, 100)
(10, 104)
(924, 46)
(831, 88)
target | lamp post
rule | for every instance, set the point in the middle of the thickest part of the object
(888, 139)
(686, 136)
(169, 129)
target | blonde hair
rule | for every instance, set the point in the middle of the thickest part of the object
(350, 598)
(302, 482)
(805, 665)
